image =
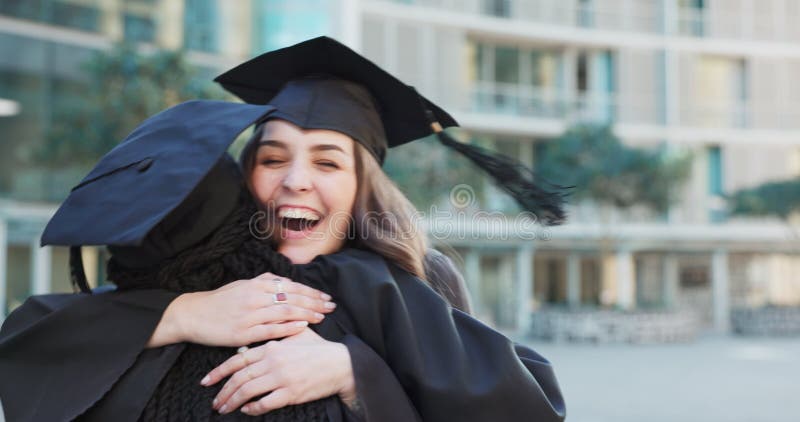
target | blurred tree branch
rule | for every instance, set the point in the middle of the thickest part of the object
(124, 88)
(777, 198)
(601, 168)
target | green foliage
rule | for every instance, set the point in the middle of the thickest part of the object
(427, 171)
(123, 88)
(780, 198)
(600, 167)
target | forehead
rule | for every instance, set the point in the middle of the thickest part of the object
(293, 135)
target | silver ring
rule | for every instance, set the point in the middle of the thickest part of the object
(242, 350)
(278, 285)
(279, 297)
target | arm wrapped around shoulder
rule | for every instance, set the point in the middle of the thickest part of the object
(452, 366)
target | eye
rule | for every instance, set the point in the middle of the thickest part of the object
(329, 164)
(270, 162)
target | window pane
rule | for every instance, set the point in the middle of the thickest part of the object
(139, 29)
(506, 65)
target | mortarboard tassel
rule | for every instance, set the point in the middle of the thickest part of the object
(512, 176)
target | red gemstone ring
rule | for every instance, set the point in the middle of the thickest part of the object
(279, 298)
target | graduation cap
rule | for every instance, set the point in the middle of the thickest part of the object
(169, 184)
(323, 84)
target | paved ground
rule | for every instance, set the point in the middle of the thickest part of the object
(714, 379)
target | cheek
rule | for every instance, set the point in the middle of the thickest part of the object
(263, 184)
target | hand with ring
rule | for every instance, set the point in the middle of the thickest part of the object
(242, 312)
(298, 369)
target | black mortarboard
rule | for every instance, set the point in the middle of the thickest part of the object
(164, 188)
(323, 84)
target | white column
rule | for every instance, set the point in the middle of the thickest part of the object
(3, 266)
(747, 16)
(427, 46)
(41, 258)
(574, 280)
(390, 45)
(669, 11)
(626, 288)
(350, 18)
(569, 69)
(472, 268)
(670, 279)
(779, 21)
(721, 292)
(524, 294)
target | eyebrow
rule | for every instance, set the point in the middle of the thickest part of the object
(318, 147)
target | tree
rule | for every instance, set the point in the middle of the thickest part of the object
(600, 167)
(777, 198)
(123, 88)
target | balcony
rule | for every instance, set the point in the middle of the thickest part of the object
(765, 20)
(640, 108)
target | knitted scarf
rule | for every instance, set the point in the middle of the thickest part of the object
(230, 253)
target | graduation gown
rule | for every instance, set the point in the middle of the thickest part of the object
(62, 354)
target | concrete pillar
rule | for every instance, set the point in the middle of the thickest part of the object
(669, 13)
(670, 279)
(626, 286)
(524, 277)
(3, 267)
(41, 264)
(574, 280)
(721, 291)
(472, 269)
(111, 23)
(169, 35)
(349, 21)
(569, 77)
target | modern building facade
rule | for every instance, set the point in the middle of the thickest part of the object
(719, 78)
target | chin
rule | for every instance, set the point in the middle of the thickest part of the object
(300, 254)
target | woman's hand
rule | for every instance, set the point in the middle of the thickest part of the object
(297, 369)
(242, 312)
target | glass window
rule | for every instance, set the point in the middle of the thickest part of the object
(499, 8)
(715, 181)
(62, 13)
(544, 69)
(506, 65)
(139, 28)
(279, 23)
(76, 16)
(585, 13)
(200, 25)
(691, 17)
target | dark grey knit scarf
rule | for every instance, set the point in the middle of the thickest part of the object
(230, 253)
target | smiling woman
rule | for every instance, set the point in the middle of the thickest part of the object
(306, 180)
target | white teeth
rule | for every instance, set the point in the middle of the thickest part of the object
(297, 213)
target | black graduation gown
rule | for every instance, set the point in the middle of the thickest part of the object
(60, 355)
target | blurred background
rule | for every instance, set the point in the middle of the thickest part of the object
(672, 292)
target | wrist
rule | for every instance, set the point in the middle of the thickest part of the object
(347, 385)
(172, 328)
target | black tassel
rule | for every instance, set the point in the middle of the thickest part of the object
(513, 177)
(77, 273)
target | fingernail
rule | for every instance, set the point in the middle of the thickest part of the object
(223, 408)
(319, 315)
(215, 403)
(301, 323)
(329, 305)
(325, 296)
(205, 380)
(245, 409)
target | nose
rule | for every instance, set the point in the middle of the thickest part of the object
(297, 178)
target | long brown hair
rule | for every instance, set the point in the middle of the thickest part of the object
(383, 219)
